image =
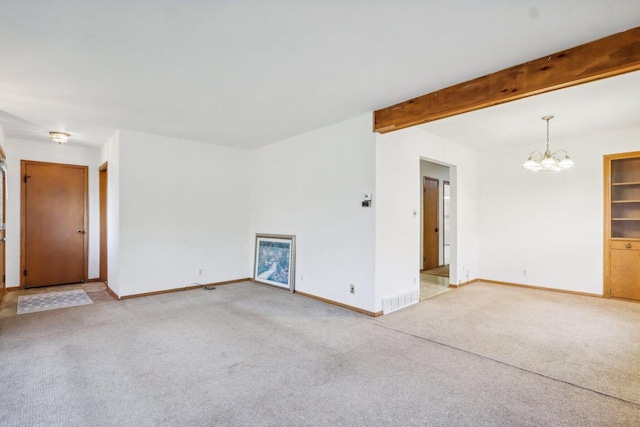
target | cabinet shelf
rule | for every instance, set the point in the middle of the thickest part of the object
(625, 183)
(625, 219)
(625, 201)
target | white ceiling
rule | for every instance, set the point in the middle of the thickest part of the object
(249, 73)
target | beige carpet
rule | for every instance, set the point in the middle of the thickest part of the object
(443, 271)
(591, 342)
(248, 355)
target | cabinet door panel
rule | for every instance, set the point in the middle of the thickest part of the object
(625, 274)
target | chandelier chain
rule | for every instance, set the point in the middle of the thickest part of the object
(548, 133)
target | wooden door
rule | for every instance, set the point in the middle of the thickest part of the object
(625, 274)
(54, 224)
(103, 222)
(431, 229)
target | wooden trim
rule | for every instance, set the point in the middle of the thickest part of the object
(94, 280)
(540, 288)
(606, 284)
(23, 193)
(113, 294)
(610, 56)
(339, 304)
(618, 156)
(186, 288)
(13, 289)
(103, 191)
(623, 299)
(454, 286)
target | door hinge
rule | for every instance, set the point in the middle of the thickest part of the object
(4, 278)
(24, 272)
(26, 177)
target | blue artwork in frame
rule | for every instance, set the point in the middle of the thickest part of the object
(275, 257)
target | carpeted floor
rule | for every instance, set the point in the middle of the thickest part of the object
(247, 355)
(587, 341)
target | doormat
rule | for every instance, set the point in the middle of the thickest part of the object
(52, 301)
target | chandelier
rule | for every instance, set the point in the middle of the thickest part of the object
(548, 161)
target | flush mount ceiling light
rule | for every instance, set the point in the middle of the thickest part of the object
(548, 161)
(59, 137)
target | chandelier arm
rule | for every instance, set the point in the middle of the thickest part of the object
(536, 155)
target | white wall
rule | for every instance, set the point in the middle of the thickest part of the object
(398, 239)
(183, 205)
(19, 149)
(441, 173)
(550, 224)
(110, 153)
(311, 186)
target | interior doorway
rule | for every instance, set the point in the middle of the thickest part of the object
(54, 243)
(435, 228)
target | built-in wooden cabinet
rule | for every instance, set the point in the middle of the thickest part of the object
(622, 226)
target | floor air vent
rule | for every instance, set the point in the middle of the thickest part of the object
(393, 303)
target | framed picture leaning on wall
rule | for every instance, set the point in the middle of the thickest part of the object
(275, 260)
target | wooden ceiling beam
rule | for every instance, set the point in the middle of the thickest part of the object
(609, 56)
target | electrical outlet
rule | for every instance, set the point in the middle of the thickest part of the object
(200, 271)
(301, 277)
(415, 280)
(524, 272)
(352, 288)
